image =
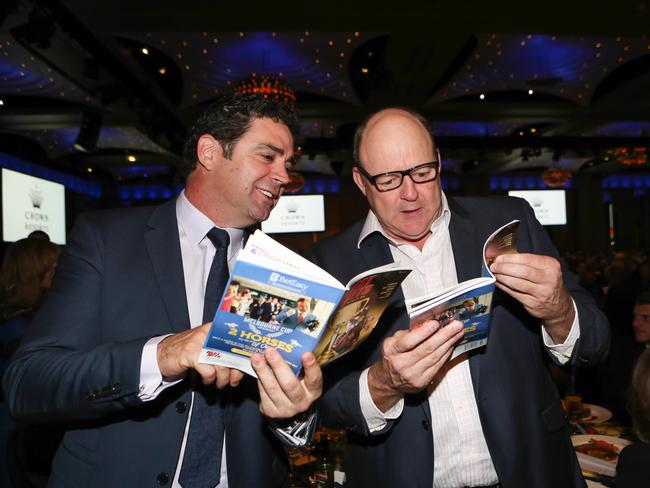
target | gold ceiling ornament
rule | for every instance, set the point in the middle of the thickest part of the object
(556, 177)
(630, 156)
(268, 86)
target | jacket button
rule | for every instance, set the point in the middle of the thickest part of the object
(162, 479)
(426, 425)
(116, 388)
(181, 407)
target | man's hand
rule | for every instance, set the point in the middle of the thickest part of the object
(409, 361)
(179, 353)
(536, 282)
(282, 394)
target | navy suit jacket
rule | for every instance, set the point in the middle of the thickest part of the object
(518, 403)
(119, 283)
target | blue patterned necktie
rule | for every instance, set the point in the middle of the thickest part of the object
(201, 466)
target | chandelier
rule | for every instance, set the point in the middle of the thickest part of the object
(269, 87)
(630, 156)
(556, 177)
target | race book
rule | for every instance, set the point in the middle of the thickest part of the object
(469, 301)
(276, 298)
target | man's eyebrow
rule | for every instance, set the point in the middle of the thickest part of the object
(273, 148)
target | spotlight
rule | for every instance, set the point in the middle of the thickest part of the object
(530, 91)
(91, 124)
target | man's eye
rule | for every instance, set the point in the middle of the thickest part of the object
(268, 157)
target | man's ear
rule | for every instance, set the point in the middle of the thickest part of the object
(358, 179)
(208, 152)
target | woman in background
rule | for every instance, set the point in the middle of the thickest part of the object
(633, 468)
(26, 273)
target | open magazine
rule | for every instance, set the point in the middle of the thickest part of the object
(276, 298)
(469, 301)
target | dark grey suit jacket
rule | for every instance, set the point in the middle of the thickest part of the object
(120, 282)
(518, 403)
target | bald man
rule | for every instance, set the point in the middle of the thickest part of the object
(488, 418)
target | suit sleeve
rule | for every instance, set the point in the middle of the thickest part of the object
(63, 369)
(593, 344)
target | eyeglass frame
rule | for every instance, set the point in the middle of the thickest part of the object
(406, 172)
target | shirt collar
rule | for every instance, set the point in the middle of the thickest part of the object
(196, 225)
(372, 225)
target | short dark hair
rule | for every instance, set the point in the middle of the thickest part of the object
(228, 119)
(358, 134)
(38, 234)
(643, 298)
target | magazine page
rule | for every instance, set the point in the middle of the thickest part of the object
(268, 309)
(414, 304)
(266, 251)
(502, 241)
(358, 312)
(472, 308)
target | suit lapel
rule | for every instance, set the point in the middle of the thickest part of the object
(468, 260)
(163, 246)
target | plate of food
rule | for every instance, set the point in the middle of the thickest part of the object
(598, 453)
(597, 414)
(588, 413)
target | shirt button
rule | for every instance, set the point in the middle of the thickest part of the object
(162, 479)
(181, 407)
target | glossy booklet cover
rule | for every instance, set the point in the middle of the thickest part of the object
(276, 298)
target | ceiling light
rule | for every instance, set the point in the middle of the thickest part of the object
(90, 170)
(131, 159)
(364, 70)
(530, 91)
(1, 103)
(144, 50)
(162, 70)
(482, 96)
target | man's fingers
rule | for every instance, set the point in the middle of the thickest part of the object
(408, 341)
(207, 372)
(440, 345)
(235, 377)
(223, 376)
(313, 376)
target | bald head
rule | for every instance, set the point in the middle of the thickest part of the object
(397, 141)
(395, 118)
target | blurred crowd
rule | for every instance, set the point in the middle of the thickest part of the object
(620, 284)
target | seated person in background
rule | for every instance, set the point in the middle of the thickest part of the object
(26, 273)
(633, 468)
(613, 376)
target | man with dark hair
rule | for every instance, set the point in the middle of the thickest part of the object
(39, 234)
(114, 349)
(488, 418)
(299, 316)
(612, 378)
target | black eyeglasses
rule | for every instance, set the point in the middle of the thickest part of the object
(422, 173)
